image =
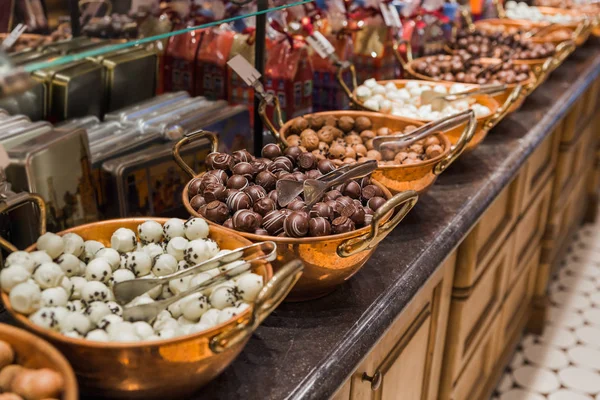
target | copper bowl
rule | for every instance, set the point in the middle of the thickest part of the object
(34, 352)
(171, 368)
(328, 260)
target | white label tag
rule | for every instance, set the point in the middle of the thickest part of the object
(4, 160)
(390, 15)
(321, 45)
(244, 69)
(395, 16)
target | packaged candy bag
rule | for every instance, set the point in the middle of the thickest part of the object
(237, 91)
(179, 70)
(211, 63)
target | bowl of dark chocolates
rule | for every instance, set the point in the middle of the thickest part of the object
(333, 238)
(347, 137)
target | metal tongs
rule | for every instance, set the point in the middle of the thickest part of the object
(406, 139)
(439, 101)
(126, 291)
(314, 189)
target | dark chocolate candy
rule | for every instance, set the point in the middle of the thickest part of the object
(352, 189)
(296, 225)
(237, 182)
(219, 173)
(293, 152)
(242, 156)
(273, 222)
(245, 169)
(239, 201)
(228, 223)
(371, 191)
(255, 192)
(332, 195)
(219, 161)
(342, 225)
(197, 201)
(215, 191)
(355, 213)
(271, 151)
(194, 187)
(319, 226)
(216, 211)
(281, 164)
(296, 205)
(261, 231)
(264, 206)
(375, 202)
(306, 161)
(266, 179)
(246, 220)
(321, 210)
(325, 166)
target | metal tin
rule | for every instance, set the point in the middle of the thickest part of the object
(74, 45)
(102, 130)
(56, 165)
(13, 120)
(30, 103)
(84, 123)
(200, 110)
(10, 138)
(136, 111)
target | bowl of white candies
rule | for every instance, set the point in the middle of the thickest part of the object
(63, 288)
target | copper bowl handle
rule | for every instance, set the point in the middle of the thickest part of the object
(456, 150)
(499, 8)
(540, 76)
(409, 55)
(262, 111)
(379, 231)
(189, 138)
(271, 295)
(12, 202)
(349, 92)
(503, 110)
(563, 50)
(466, 14)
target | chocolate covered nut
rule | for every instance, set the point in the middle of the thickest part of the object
(319, 226)
(342, 225)
(237, 182)
(216, 211)
(352, 189)
(239, 201)
(366, 135)
(325, 166)
(266, 179)
(194, 187)
(197, 201)
(321, 209)
(434, 151)
(370, 191)
(242, 156)
(281, 164)
(431, 140)
(293, 152)
(337, 151)
(365, 181)
(374, 155)
(264, 206)
(387, 154)
(346, 124)
(219, 161)
(293, 140)
(246, 220)
(298, 125)
(316, 122)
(400, 157)
(326, 134)
(306, 161)
(245, 169)
(219, 173)
(214, 191)
(383, 131)
(352, 139)
(319, 154)
(296, 225)
(355, 213)
(271, 151)
(362, 124)
(336, 208)
(369, 144)
(309, 139)
(360, 150)
(375, 202)
(255, 192)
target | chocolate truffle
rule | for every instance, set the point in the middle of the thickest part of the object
(194, 187)
(239, 201)
(219, 161)
(219, 173)
(228, 223)
(206, 180)
(375, 202)
(335, 207)
(325, 166)
(342, 225)
(214, 191)
(255, 192)
(216, 211)
(273, 222)
(355, 213)
(242, 156)
(293, 152)
(271, 151)
(299, 176)
(296, 225)
(319, 226)
(371, 191)
(273, 195)
(281, 164)
(332, 195)
(260, 164)
(296, 205)
(345, 200)
(306, 161)
(197, 201)
(237, 182)
(313, 174)
(264, 206)
(245, 169)
(246, 220)
(261, 231)
(321, 210)
(266, 179)
(352, 189)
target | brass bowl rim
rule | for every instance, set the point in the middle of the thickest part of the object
(288, 240)
(447, 144)
(129, 345)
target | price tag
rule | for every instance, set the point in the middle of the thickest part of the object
(390, 15)
(321, 45)
(244, 69)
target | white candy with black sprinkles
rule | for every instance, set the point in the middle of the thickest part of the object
(98, 335)
(111, 255)
(48, 275)
(51, 243)
(73, 244)
(153, 250)
(94, 291)
(75, 305)
(115, 308)
(123, 240)
(176, 247)
(150, 232)
(69, 264)
(164, 264)
(77, 322)
(195, 228)
(54, 297)
(98, 269)
(173, 228)
(90, 248)
(78, 283)
(97, 310)
(12, 276)
(210, 317)
(40, 257)
(21, 258)
(139, 263)
(223, 296)
(45, 318)
(194, 305)
(249, 286)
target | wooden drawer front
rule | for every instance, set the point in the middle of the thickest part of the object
(406, 363)
(475, 374)
(564, 178)
(538, 168)
(471, 312)
(518, 300)
(592, 99)
(529, 231)
(570, 132)
(487, 236)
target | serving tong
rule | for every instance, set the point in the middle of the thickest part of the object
(439, 101)
(314, 189)
(406, 139)
(127, 291)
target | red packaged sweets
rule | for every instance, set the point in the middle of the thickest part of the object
(211, 63)
(179, 60)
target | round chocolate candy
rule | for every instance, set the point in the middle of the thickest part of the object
(325, 166)
(197, 201)
(332, 195)
(246, 220)
(219, 161)
(281, 164)
(207, 180)
(345, 201)
(342, 225)
(266, 179)
(264, 206)
(313, 174)
(296, 225)
(255, 192)
(237, 182)
(261, 231)
(355, 213)
(368, 215)
(219, 173)
(293, 152)
(306, 161)
(273, 195)
(296, 205)
(245, 169)
(299, 176)
(273, 222)
(215, 191)
(242, 156)
(321, 210)
(260, 164)
(365, 181)
(216, 211)
(194, 187)
(375, 202)
(336, 208)
(319, 226)
(371, 191)
(239, 201)
(271, 151)
(352, 189)
(228, 223)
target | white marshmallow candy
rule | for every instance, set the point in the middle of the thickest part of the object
(21, 258)
(173, 228)
(391, 87)
(60, 313)
(404, 94)
(73, 244)
(210, 317)
(194, 305)
(111, 255)
(363, 92)
(150, 232)
(223, 296)
(385, 106)
(227, 314)
(78, 283)
(40, 257)
(143, 329)
(75, 306)
(440, 89)
(166, 292)
(195, 228)
(120, 336)
(411, 85)
(372, 104)
(115, 308)
(95, 291)
(68, 285)
(48, 275)
(45, 318)
(77, 322)
(123, 240)
(139, 263)
(241, 307)
(97, 335)
(180, 284)
(176, 247)
(122, 275)
(175, 309)
(108, 321)
(69, 264)
(378, 89)
(12, 276)
(98, 269)
(90, 248)
(164, 264)
(55, 297)
(370, 83)
(97, 310)
(51, 243)
(249, 286)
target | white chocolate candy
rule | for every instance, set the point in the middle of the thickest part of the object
(111, 255)
(139, 263)
(210, 317)
(183, 321)
(165, 323)
(45, 318)
(199, 327)
(51, 243)
(143, 329)
(98, 269)
(59, 314)
(173, 228)
(150, 232)
(122, 275)
(153, 250)
(48, 275)
(115, 308)
(98, 335)
(69, 264)
(180, 284)
(227, 314)
(175, 309)
(372, 104)
(95, 291)
(194, 305)
(96, 310)
(54, 297)
(196, 252)
(120, 336)
(249, 286)
(68, 285)
(40, 257)
(90, 248)
(181, 265)
(108, 321)
(12, 276)
(195, 228)
(223, 296)
(123, 240)
(73, 244)
(141, 300)
(199, 278)
(176, 247)
(77, 322)
(78, 283)
(164, 264)
(75, 305)
(21, 258)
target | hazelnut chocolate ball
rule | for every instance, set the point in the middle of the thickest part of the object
(214, 191)
(194, 187)
(293, 140)
(255, 192)
(293, 152)
(298, 125)
(321, 209)
(337, 151)
(281, 163)
(325, 166)
(355, 212)
(319, 226)
(363, 124)
(197, 201)
(271, 151)
(216, 211)
(237, 182)
(352, 189)
(242, 156)
(306, 161)
(309, 139)
(346, 124)
(434, 151)
(375, 202)
(266, 179)
(296, 225)
(206, 180)
(245, 169)
(332, 195)
(219, 173)
(342, 225)
(264, 206)
(246, 220)
(239, 201)
(228, 223)
(326, 134)
(296, 205)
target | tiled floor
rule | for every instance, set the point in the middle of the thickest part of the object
(563, 363)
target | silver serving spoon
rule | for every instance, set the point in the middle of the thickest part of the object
(439, 101)
(126, 291)
(406, 139)
(314, 189)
